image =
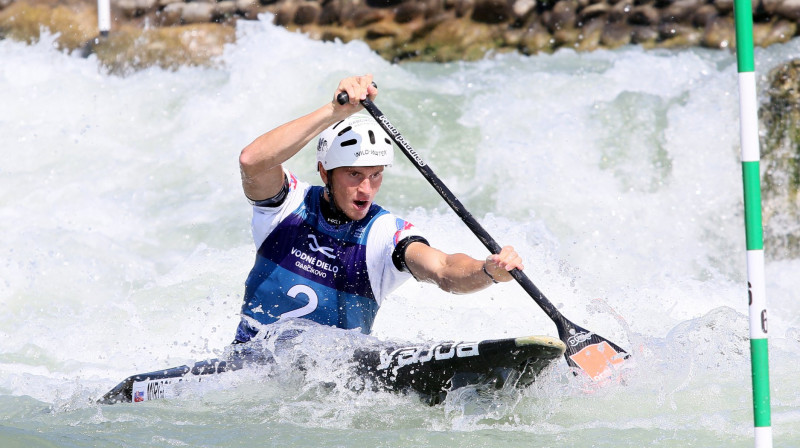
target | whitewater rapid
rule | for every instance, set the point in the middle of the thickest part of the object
(616, 174)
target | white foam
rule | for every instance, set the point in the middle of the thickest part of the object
(125, 235)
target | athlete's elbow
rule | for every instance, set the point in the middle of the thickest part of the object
(247, 159)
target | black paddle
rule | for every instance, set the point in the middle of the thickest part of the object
(587, 351)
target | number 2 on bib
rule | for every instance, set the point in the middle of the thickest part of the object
(309, 308)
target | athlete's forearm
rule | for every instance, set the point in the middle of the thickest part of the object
(456, 273)
(460, 273)
(463, 274)
(261, 161)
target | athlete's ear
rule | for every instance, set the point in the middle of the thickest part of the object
(323, 174)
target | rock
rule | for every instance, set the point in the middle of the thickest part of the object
(130, 48)
(409, 11)
(645, 15)
(780, 161)
(770, 6)
(284, 13)
(704, 15)
(720, 33)
(171, 14)
(512, 37)
(521, 9)
(226, 8)
(365, 17)
(434, 8)
(452, 39)
(249, 9)
(345, 34)
(724, 7)
(536, 39)
(680, 10)
(643, 35)
(386, 29)
(24, 22)
(567, 37)
(455, 33)
(620, 11)
(761, 31)
(463, 8)
(590, 35)
(593, 11)
(779, 32)
(197, 12)
(331, 11)
(562, 16)
(789, 9)
(616, 34)
(306, 13)
(136, 8)
(676, 35)
(491, 11)
(383, 3)
(5, 3)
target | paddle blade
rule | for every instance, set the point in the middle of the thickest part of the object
(596, 356)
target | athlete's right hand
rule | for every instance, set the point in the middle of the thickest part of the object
(499, 265)
(357, 88)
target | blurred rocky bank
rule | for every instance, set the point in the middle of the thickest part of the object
(177, 32)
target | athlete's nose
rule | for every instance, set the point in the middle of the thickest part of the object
(366, 186)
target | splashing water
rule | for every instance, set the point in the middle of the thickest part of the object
(615, 174)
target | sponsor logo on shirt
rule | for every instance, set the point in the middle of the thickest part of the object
(313, 264)
(315, 247)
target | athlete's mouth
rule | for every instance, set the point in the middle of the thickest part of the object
(360, 204)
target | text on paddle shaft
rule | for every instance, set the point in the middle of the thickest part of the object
(412, 355)
(401, 141)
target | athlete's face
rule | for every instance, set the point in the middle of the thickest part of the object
(354, 188)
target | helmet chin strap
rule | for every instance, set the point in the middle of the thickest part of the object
(332, 213)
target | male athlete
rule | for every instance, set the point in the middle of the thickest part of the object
(329, 254)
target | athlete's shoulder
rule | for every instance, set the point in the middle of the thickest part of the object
(393, 228)
(294, 183)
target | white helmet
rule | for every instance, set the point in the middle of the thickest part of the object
(355, 141)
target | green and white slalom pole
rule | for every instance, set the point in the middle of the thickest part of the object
(748, 122)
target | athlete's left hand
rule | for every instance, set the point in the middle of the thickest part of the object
(498, 265)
